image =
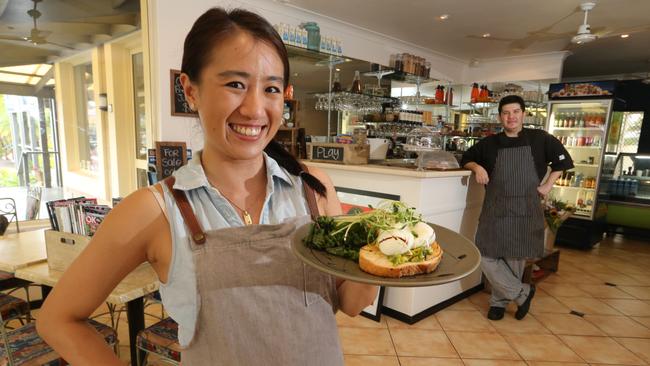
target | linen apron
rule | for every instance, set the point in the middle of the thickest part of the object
(511, 224)
(259, 304)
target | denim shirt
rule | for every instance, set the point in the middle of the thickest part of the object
(284, 199)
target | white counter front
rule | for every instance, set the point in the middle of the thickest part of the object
(446, 198)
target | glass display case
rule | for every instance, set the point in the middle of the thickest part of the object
(581, 126)
(628, 182)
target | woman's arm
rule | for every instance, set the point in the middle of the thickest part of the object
(123, 241)
(353, 296)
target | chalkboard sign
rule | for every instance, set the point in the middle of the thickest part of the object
(331, 153)
(169, 157)
(179, 105)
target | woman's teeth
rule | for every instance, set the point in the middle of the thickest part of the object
(246, 131)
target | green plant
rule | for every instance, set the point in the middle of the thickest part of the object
(556, 212)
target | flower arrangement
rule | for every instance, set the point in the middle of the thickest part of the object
(555, 212)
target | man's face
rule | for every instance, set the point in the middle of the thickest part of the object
(512, 118)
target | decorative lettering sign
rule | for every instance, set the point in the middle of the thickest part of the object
(330, 153)
(179, 105)
(169, 157)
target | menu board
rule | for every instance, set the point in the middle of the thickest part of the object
(170, 156)
(179, 105)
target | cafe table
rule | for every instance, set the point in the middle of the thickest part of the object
(24, 255)
(130, 292)
(22, 249)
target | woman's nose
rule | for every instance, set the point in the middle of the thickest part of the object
(252, 106)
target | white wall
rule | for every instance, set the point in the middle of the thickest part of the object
(169, 23)
(546, 66)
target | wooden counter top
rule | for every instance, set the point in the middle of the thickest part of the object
(392, 170)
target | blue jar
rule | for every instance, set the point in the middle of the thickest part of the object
(313, 35)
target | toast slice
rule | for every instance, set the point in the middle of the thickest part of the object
(373, 261)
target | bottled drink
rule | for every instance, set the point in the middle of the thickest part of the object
(440, 94)
(356, 83)
(399, 65)
(475, 93)
(336, 83)
(450, 96)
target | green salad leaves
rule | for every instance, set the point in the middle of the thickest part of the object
(345, 235)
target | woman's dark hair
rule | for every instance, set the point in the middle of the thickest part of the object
(217, 24)
(510, 99)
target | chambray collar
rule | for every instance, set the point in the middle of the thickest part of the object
(192, 175)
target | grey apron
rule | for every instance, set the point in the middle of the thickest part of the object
(511, 224)
(258, 303)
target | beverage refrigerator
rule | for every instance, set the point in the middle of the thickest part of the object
(579, 115)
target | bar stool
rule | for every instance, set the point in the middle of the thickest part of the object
(160, 339)
(12, 307)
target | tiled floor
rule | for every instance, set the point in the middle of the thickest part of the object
(610, 285)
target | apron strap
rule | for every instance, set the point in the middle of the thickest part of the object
(198, 236)
(310, 195)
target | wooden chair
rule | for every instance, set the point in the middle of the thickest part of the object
(160, 339)
(23, 346)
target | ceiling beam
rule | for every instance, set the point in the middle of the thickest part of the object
(25, 90)
(44, 79)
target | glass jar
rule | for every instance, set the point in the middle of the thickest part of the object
(313, 35)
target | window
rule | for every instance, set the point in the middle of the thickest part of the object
(138, 103)
(86, 117)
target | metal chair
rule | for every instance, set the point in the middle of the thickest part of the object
(8, 210)
(160, 339)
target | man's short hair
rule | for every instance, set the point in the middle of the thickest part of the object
(509, 99)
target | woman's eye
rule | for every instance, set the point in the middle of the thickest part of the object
(236, 85)
(273, 89)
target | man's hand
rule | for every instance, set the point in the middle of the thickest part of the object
(481, 175)
(544, 189)
(480, 172)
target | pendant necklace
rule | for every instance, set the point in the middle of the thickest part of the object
(248, 220)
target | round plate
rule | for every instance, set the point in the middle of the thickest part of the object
(460, 258)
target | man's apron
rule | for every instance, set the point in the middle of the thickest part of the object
(511, 224)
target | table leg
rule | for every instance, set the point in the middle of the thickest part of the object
(135, 316)
(45, 291)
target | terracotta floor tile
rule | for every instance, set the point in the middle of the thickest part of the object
(464, 304)
(645, 320)
(471, 321)
(475, 362)
(618, 326)
(630, 307)
(640, 347)
(343, 320)
(422, 343)
(482, 301)
(644, 279)
(578, 278)
(601, 350)
(366, 341)
(547, 305)
(553, 363)
(482, 345)
(568, 324)
(541, 348)
(528, 325)
(356, 360)
(428, 361)
(604, 292)
(618, 279)
(640, 292)
(556, 289)
(588, 305)
(429, 323)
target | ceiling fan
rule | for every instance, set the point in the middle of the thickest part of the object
(36, 36)
(584, 34)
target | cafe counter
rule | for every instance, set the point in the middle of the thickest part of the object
(446, 198)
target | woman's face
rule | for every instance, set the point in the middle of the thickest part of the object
(239, 97)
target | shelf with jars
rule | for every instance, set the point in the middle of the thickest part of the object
(347, 101)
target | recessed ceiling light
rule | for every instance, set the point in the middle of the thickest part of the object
(337, 69)
(443, 17)
(624, 35)
(486, 35)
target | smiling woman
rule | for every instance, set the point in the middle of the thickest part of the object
(228, 218)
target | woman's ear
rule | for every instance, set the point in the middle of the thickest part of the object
(190, 90)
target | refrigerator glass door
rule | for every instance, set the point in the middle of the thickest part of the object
(581, 126)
